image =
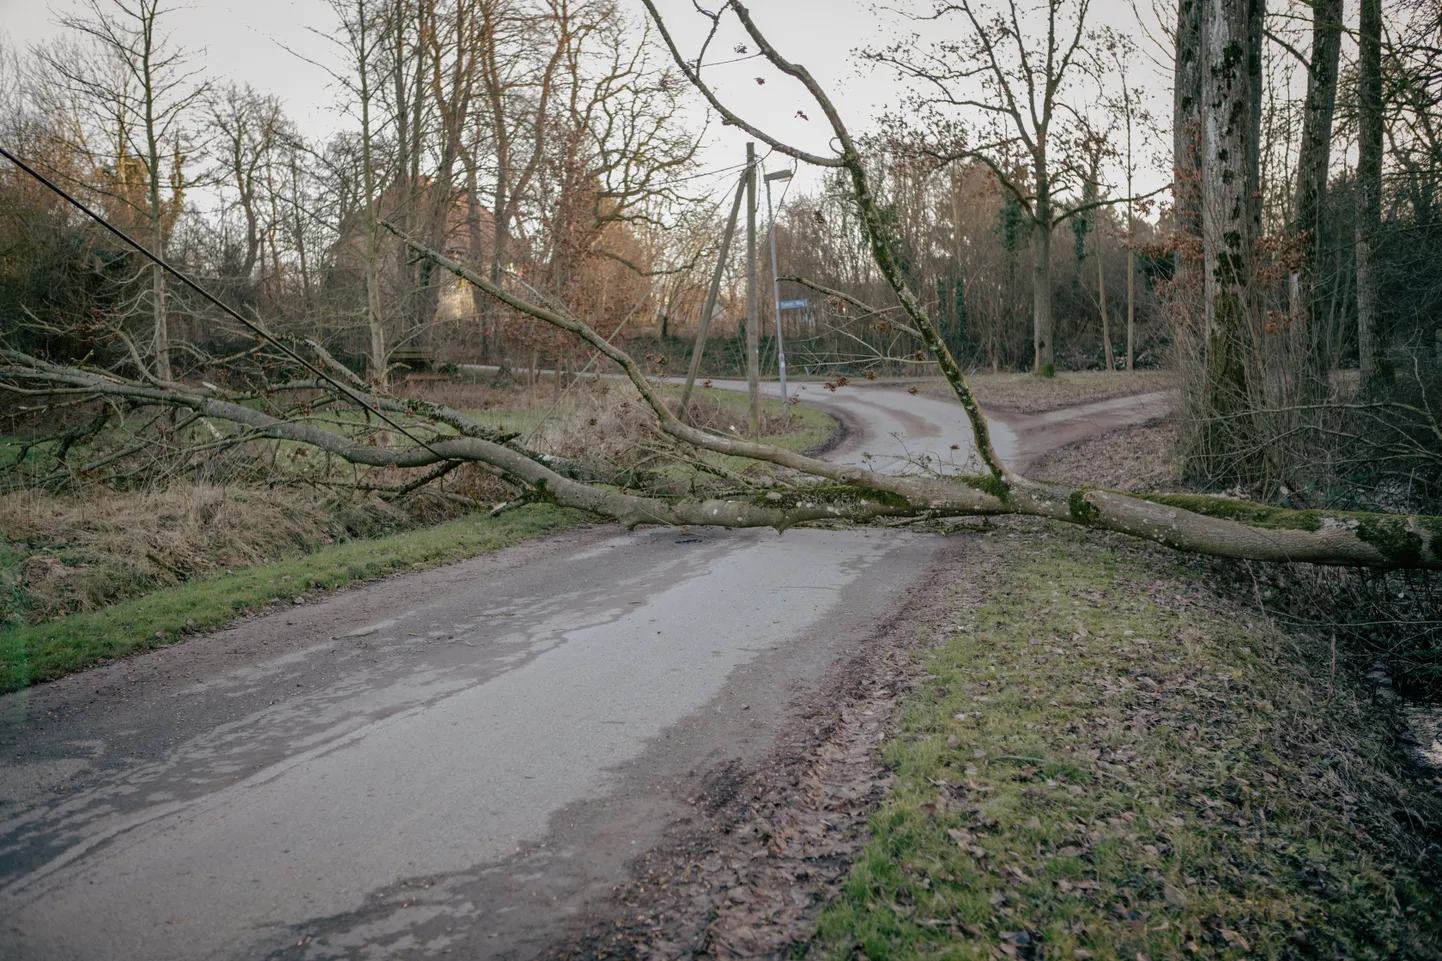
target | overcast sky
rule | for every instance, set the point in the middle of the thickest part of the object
(247, 40)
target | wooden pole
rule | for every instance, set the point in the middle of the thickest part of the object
(753, 332)
(711, 295)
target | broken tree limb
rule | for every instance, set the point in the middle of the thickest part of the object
(1215, 526)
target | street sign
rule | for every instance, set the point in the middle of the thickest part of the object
(791, 304)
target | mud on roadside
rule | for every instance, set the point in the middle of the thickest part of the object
(767, 849)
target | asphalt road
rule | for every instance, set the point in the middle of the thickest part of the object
(452, 763)
(894, 430)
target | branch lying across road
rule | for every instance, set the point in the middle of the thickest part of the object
(832, 492)
(819, 490)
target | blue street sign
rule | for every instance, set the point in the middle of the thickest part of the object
(792, 304)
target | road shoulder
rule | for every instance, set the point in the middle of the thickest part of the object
(1068, 740)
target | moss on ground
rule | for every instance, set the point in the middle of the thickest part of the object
(1105, 762)
(58, 647)
(1082, 511)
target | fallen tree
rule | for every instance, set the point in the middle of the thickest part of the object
(288, 383)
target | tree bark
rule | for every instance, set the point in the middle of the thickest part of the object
(1231, 222)
(1371, 334)
(1216, 526)
(147, 14)
(374, 321)
(1043, 326)
(1102, 300)
(1187, 136)
(1131, 302)
(1308, 339)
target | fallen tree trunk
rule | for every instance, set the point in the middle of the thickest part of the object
(1216, 526)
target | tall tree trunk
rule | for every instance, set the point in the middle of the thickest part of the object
(1187, 137)
(298, 228)
(1044, 361)
(1131, 304)
(157, 294)
(159, 319)
(1371, 335)
(1102, 300)
(372, 239)
(476, 243)
(1231, 223)
(1308, 338)
(498, 227)
(1131, 247)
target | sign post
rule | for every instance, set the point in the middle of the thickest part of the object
(776, 296)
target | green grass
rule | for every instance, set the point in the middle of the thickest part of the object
(58, 647)
(1105, 762)
(12, 592)
(810, 428)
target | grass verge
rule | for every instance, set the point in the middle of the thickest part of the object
(49, 650)
(1106, 762)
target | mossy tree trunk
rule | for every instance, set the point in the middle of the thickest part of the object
(1227, 450)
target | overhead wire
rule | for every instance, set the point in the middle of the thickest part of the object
(264, 335)
(260, 332)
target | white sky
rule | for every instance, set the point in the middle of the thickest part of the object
(246, 41)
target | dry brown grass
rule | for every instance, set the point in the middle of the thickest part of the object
(1135, 459)
(480, 394)
(1027, 394)
(81, 553)
(604, 420)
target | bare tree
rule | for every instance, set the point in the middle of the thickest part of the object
(140, 86)
(1120, 51)
(361, 42)
(246, 129)
(1016, 69)
(1094, 148)
(281, 382)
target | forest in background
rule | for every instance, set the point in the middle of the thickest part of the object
(551, 149)
(546, 142)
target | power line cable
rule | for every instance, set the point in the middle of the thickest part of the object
(256, 329)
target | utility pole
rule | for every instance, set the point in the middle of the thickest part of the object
(753, 334)
(711, 295)
(776, 294)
